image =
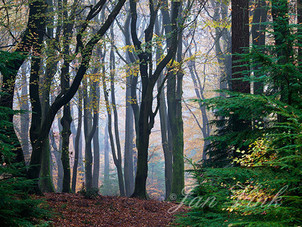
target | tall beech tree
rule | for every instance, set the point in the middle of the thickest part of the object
(77, 147)
(129, 125)
(112, 115)
(163, 116)
(174, 98)
(68, 25)
(144, 114)
(90, 124)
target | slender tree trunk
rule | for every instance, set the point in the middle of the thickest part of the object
(164, 123)
(25, 116)
(57, 154)
(115, 143)
(129, 130)
(66, 121)
(106, 155)
(96, 145)
(131, 105)
(77, 148)
(87, 132)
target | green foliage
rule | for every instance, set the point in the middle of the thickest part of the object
(91, 193)
(260, 182)
(5, 61)
(17, 208)
(264, 190)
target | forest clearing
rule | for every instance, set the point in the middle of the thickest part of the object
(130, 112)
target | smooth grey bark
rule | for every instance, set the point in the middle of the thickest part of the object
(90, 125)
(57, 154)
(129, 126)
(112, 110)
(163, 116)
(129, 143)
(24, 117)
(106, 155)
(77, 147)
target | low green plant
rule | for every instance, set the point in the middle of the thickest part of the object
(17, 208)
(91, 193)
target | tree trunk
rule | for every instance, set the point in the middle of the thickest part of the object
(46, 176)
(142, 147)
(132, 109)
(115, 144)
(240, 43)
(146, 116)
(66, 121)
(129, 130)
(240, 40)
(57, 154)
(96, 145)
(106, 156)
(77, 148)
(174, 97)
(87, 132)
(164, 123)
(24, 117)
(258, 36)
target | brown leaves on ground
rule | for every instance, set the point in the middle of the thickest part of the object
(75, 210)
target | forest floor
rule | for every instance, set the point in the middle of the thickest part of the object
(75, 210)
